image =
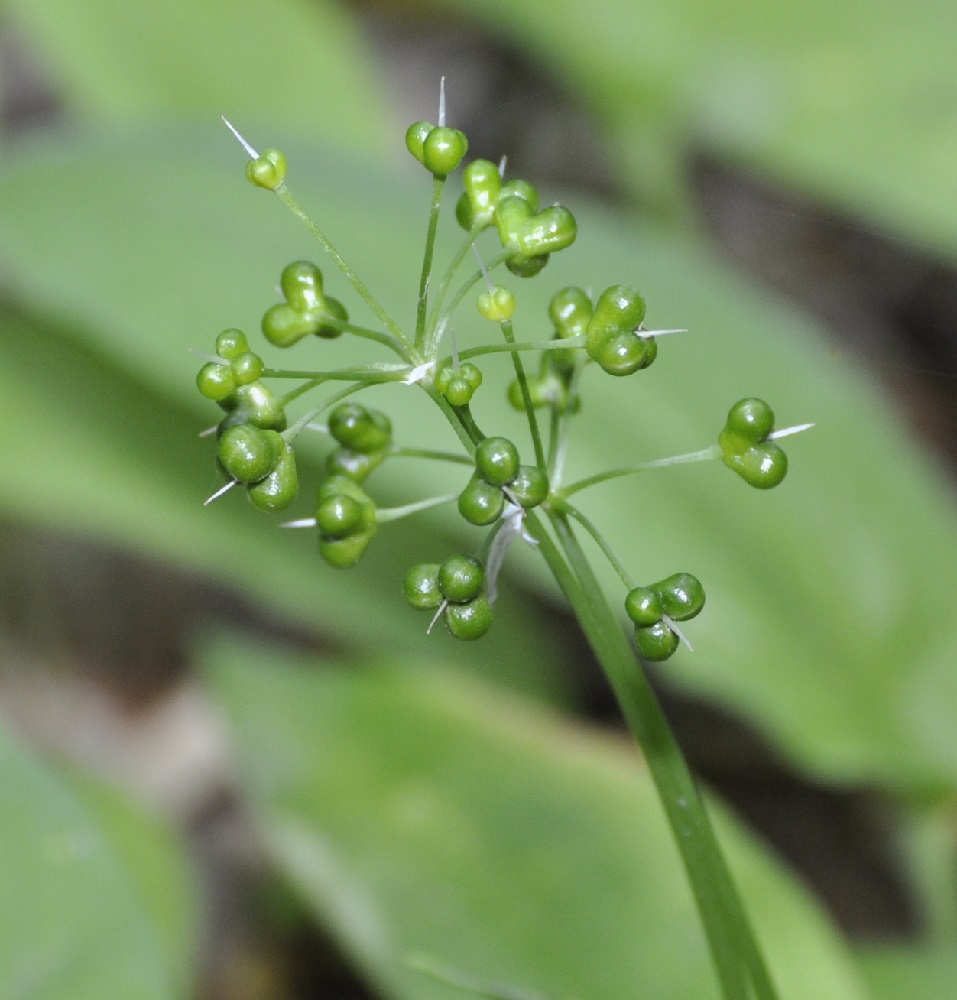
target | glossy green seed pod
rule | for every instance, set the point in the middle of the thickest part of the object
(643, 606)
(746, 448)
(344, 552)
(248, 453)
(216, 381)
(497, 305)
(307, 310)
(267, 170)
(246, 368)
(253, 404)
(231, 344)
(518, 188)
(443, 150)
(622, 353)
(469, 621)
(355, 464)
(526, 267)
(682, 596)
(422, 587)
(751, 419)
(481, 503)
(476, 207)
(415, 137)
(530, 486)
(278, 490)
(359, 428)
(619, 309)
(461, 578)
(762, 466)
(655, 642)
(570, 311)
(458, 385)
(496, 460)
(339, 516)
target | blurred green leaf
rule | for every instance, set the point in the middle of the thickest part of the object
(852, 103)
(275, 64)
(828, 621)
(95, 899)
(915, 972)
(419, 813)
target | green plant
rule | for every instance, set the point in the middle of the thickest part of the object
(512, 500)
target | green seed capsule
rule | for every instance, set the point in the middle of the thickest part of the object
(682, 596)
(497, 305)
(619, 309)
(422, 587)
(360, 429)
(345, 551)
(623, 353)
(354, 464)
(415, 137)
(570, 310)
(469, 621)
(339, 516)
(745, 448)
(267, 170)
(529, 487)
(443, 150)
(246, 368)
(476, 207)
(481, 503)
(643, 606)
(231, 344)
(496, 460)
(278, 490)
(656, 642)
(752, 419)
(253, 404)
(461, 578)
(762, 466)
(307, 310)
(526, 267)
(248, 453)
(216, 382)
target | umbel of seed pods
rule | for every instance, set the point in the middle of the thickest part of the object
(252, 450)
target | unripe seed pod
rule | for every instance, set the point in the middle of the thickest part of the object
(481, 503)
(461, 578)
(469, 621)
(496, 460)
(656, 642)
(267, 170)
(231, 344)
(216, 381)
(643, 606)
(530, 486)
(682, 596)
(248, 453)
(278, 490)
(422, 587)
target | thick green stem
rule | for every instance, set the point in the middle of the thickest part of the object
(438, 185)
(734, 951)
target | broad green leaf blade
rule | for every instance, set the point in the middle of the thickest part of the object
(108, 457)
(828, 622)
(418, 813)
(918, 972)
(263, 65)
(850, 103)
(95, 898)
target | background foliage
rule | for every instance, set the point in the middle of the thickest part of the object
(127, 236)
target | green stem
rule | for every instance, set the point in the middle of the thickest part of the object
(509, 335)
(562, 505)
(438, 186)
(704, 455)
(734, 951)
(285, 196)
